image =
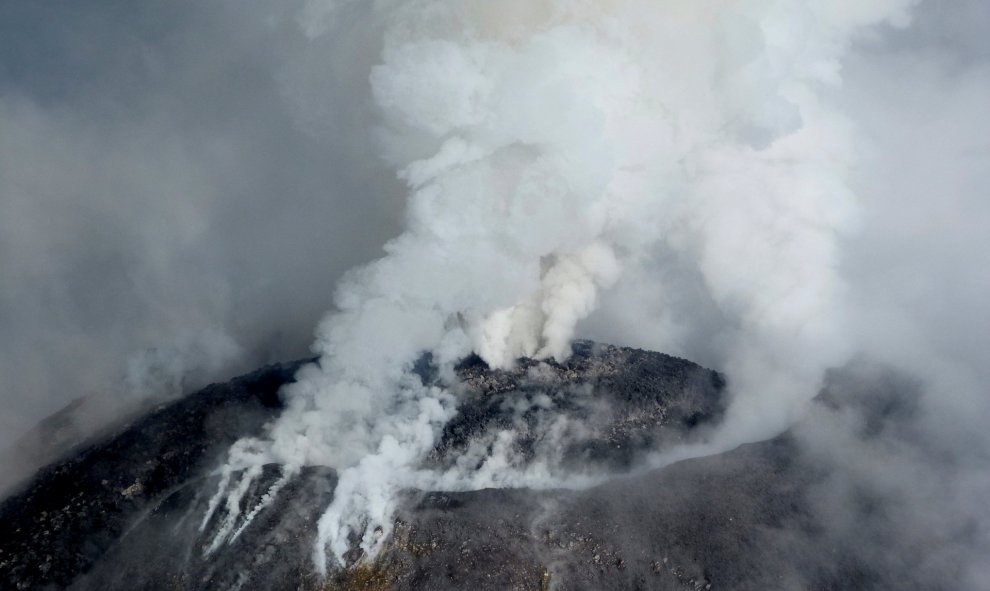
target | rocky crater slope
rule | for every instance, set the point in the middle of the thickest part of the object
(126, 511)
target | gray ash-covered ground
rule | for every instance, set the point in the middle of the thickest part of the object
(125, 512)
(624, 401)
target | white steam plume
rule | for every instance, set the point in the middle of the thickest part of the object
(549, 146)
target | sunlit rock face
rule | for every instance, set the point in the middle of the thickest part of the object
(134, 510)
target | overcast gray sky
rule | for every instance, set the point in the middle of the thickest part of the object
(174, 195)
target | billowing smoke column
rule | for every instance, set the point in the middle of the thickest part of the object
(549, 147)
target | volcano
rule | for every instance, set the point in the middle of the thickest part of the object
(130, 509)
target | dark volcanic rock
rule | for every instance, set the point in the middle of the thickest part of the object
(74, 511)
(679, 528)
(127, 512)
(626, 401)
